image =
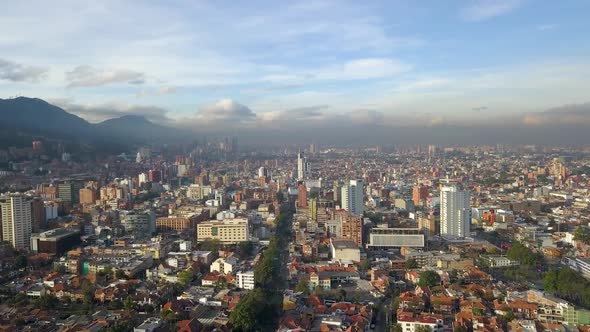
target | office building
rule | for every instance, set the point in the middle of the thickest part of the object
(140, 224)
(245, 280)
(301, 196)
(56, 241)
(455, 214)
(419, 194)
(302, 166)
(396, 237)
(351, 227)
(345, 251)
(69, 191)
(428, 225)
(353, 197)
(88, 196)
(227, 231)
(17, 223)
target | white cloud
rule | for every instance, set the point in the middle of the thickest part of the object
(16, 72)
(481, 10)
(86, 76)
(225, 110)
(364, 69)
(97, 112)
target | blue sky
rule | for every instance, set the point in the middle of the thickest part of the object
(260, 62)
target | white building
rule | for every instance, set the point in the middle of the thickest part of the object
(302, 166)
(17, 224)
(409, 324)
(396, 237)
(245, 279)
(353, 197)
(224, 265)
(345, 251)
(455, 214)
(142, 178)
(226, 231)
(138, 223)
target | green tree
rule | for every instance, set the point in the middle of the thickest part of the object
(582, 234)
(397, 327)
(423, 328)
(411, 264)
(185, 277)
(20, 262)
(460, 328)
(120, 274)
(128, 304)
(429, 279)
(302, 286)
(211, 245)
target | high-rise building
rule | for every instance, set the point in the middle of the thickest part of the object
(87, 196)
(313, 148)
(455, 214)
(428, 225)
(353, 197)
(17, 223)
(419, 194)
(302, 166)
(301, 196)
(351, 227)
(69, 191)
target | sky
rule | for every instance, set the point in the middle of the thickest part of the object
(246, 65)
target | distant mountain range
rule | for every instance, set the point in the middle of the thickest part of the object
(23, 119)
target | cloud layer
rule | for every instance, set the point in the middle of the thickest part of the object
(87, 76)
(16, 72)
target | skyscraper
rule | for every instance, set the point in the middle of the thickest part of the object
(301, 166)
(301, 196)
(17, 223)
(455, 213)
(419, 194)
(353, 197)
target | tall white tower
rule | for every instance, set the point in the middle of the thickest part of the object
(301, 166)
(353, 197)
(17, 224)
(455, 214)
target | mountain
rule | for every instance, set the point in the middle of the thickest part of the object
(138, 128)
(36, 116)
(23, 119)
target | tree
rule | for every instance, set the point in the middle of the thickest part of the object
(120, 274)
(582, 234)
(302, 286)
(211, 245)
(411, 264)
(460, 328)
(341, 294)
(429, 279)
(397, 328)
(59, 268)
(185, 277)
(245, 248)
(128, 304)
(20, 262)
(422, 328)
(280, 197)
(365, 264)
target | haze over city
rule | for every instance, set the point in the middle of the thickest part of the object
(513, 67)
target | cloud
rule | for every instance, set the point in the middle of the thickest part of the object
(87, 76)
(364, 68)
(306, 113)
(575, 114)
(161, 91)
(226, 111)
(109, 110)
(16, 72)
(546, 27)
(480, 108)
(481, 10)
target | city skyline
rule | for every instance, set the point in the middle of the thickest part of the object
(505, 63)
